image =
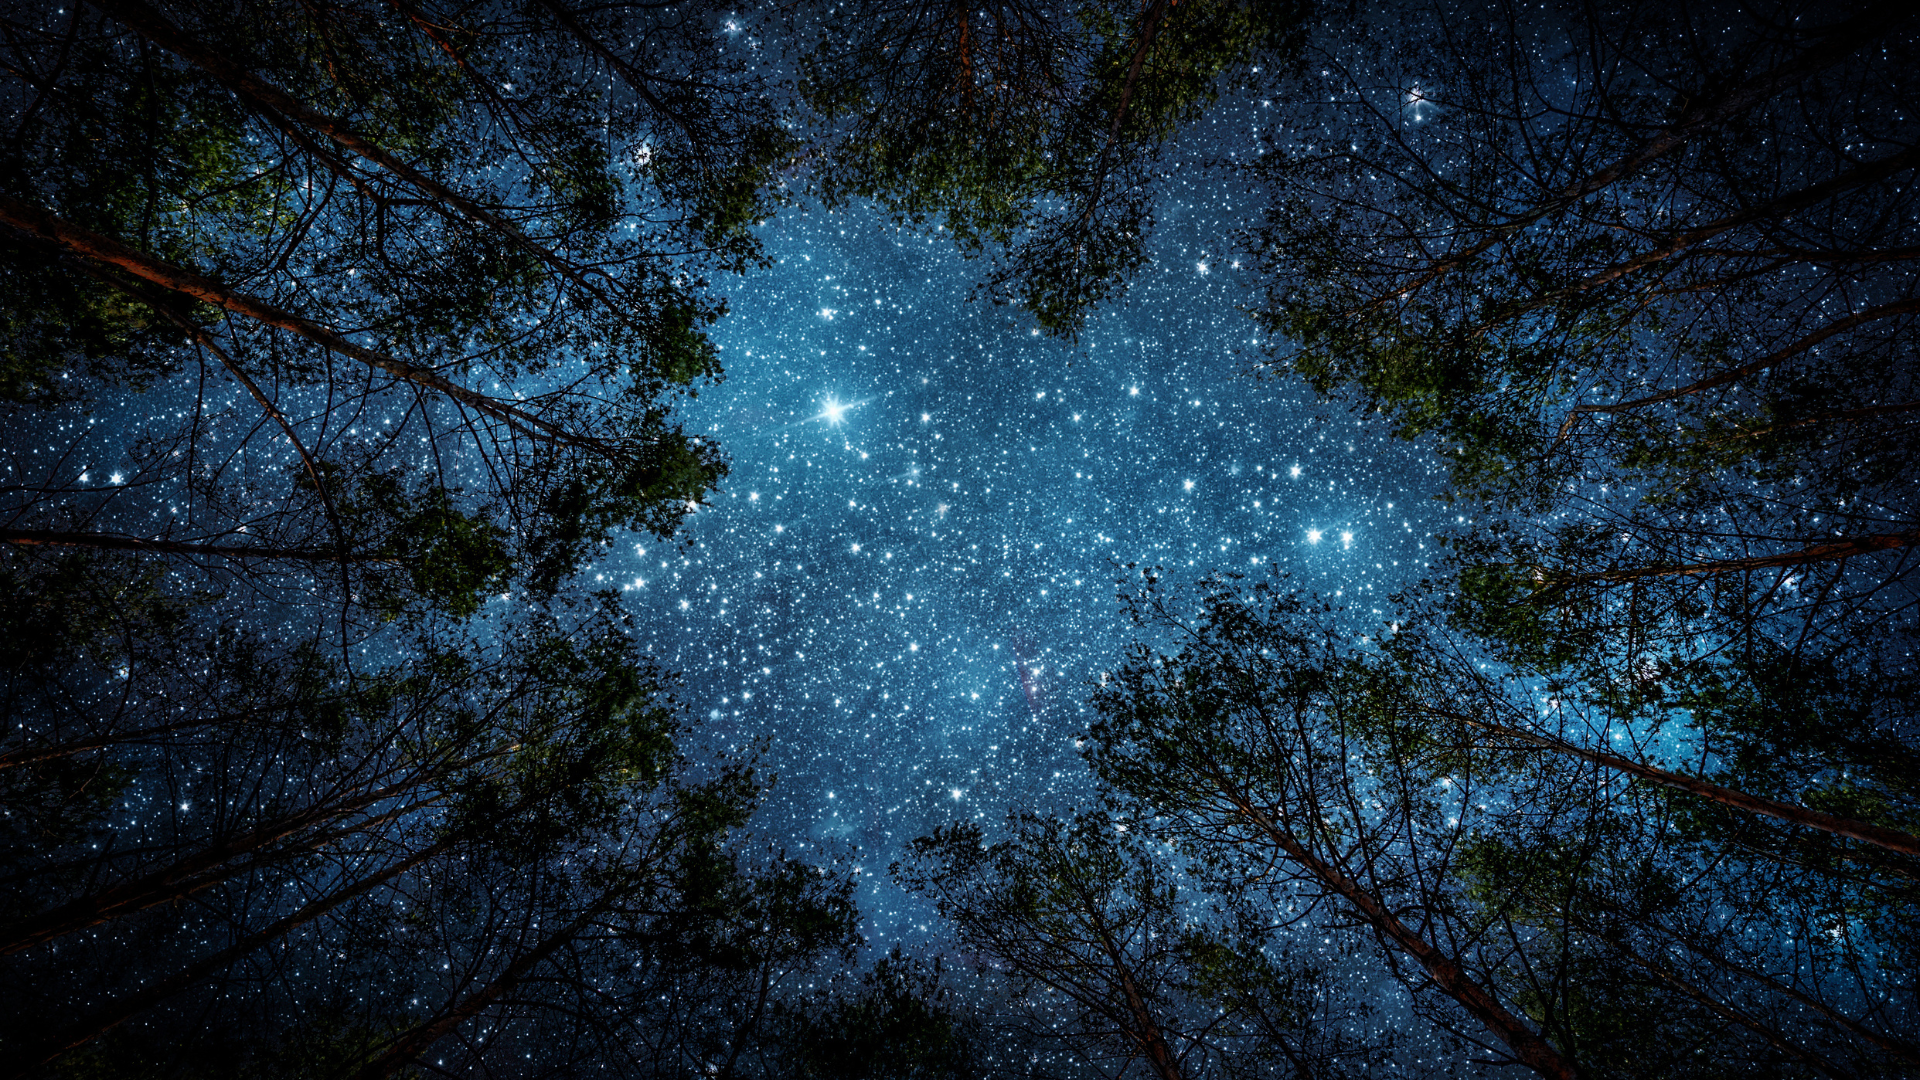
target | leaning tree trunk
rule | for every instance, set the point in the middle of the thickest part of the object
(1890, 839)
(274, 102)
(190, 875)
(1778, 356)
(1831, 551)
(1447, 974)
(44, 226)
(116, 542)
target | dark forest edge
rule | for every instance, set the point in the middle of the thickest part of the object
(322, 757)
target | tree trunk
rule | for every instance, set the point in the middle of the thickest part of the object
(1447, 974)
(147, 997)
(179, 879)
(1904, 1051)
(414, 1042)
(1889, 839)
(1869, 173)
(1149, 1036)
(44, 226)
(154, 27)
(1788, 352)
(1738, 1016)
(1828, 552)
(1867, 412)
(1151, 21)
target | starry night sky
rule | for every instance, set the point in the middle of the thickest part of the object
(928, 497)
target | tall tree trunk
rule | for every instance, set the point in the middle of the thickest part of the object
(1150, 23)
(1679, 243)
(1905, 1052)
(635, 80)
(1146, 1029)
(1827, 552)
(33, 755)
(1890, 839)
(1447, 974)
(1866, 412)
(1738, 1016)
(183, 878)
(274, 101)
(1778, 356)
(74, 240)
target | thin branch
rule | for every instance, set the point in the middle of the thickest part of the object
(1787, 352)
(1890, 839)
(1835, 46)
(37, 222)
(117, 542)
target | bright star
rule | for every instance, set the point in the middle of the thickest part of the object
(833, 412)
(1313, 536)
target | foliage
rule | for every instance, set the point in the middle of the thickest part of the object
(1029, 131)
(1504, 853)
(391, 288)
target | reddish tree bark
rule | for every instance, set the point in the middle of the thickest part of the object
(1447, 974)
(264, 95)
(70, 238)
(1891, 839)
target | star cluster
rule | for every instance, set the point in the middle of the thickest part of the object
(901, 592)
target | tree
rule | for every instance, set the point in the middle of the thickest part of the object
(1460, 816)
(417, 287)
(1646, 295)
(347, 320)
(1104, 953)
(1026, 130)
(488, 837)
(238, 762)
(897, 1020)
